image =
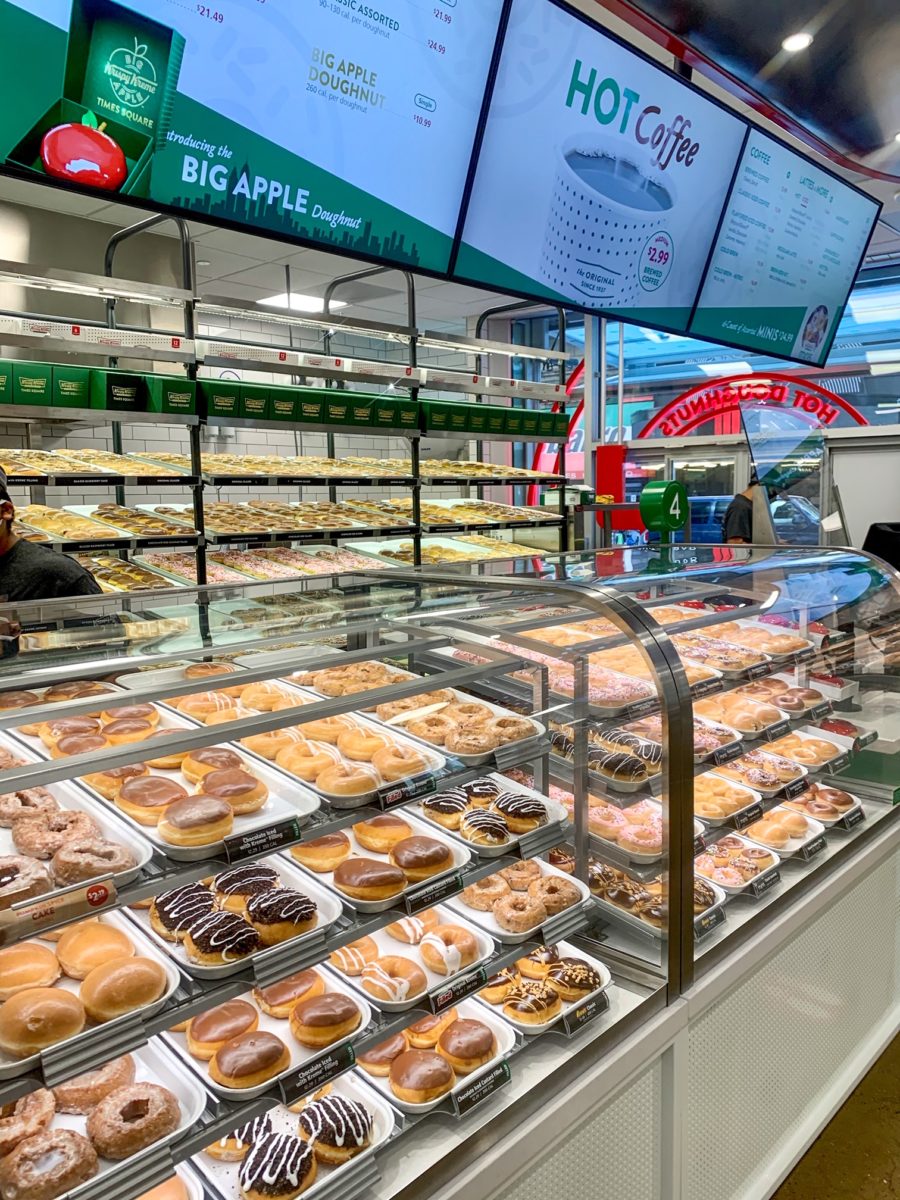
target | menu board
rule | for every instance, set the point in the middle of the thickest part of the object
(601, 177)
(788, 251)
(342, 122)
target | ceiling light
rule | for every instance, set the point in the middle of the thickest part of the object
(797, 42)
(299, 302)
(740, 367)
(897, 137)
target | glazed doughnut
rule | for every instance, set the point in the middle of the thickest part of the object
(41, 836)
(131, 1118)
(37, 1018)
(47, 1165)
(83, 947)
(266, 697)
(20, 699)
(81, 1094)
(20, 879)
(26, 965)
(471, 740)
(203, 670)
(381, 834)
(196, 821)
(307, 760)
(361, 744)
(510, 729)
(122, 985)
(467, 1045)
(89, 858)
(29, 802)
(411, 930)
(448, 948)
(341, 779)
(484, 893)
(121, 732)
(434, 729)
(518, 912)
(377, 1061)
(267, 745)
(328, 729)
(197, 763)
(398, 762)
(521, 875)
(324, 853)
(420, 1076)
(147, 798)
(201, 704)
(392, 977)
(30, 1115)
(352, 959)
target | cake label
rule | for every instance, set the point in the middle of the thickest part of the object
(402, 793)
(82, 900)
(241, 846)
(795, 788)
(434, 893)
(851, 819)
(725, 754)
(317, 1073)
(473, 1094)
(811, 849)
(582, 1014)
(836, 764)
(466, 986)
(747, 816)
(774, 732)
(759, 887)
(708, 921)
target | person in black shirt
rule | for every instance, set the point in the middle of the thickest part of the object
(737, 527)
(30, 571)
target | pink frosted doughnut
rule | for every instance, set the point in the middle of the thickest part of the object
(641, 839)
(642, 813)
(606, 823)
(728, 876)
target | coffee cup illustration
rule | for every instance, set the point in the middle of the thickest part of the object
(606, 241)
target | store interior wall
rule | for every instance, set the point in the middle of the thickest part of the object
(869, 483)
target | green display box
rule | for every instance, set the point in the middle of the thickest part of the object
(310, 409)
(219, 397)
(122, 69)
(119, 391)
(515, 421)
(6, 382)
(254, 403)
(560, 424)
(384, 412)
(496, 420)
(531, 423)
(437, 415)
(546, 424)
(171, 394)
(406, 414)
(32, 383)
(337, 408)
(478, 418)
(71, 387)
(283, 403)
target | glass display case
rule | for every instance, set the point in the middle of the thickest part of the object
(425, 841)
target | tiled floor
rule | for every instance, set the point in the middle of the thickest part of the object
(857, 1157)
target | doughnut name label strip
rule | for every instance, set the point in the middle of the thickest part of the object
(467, 986)
(811, 849)
(707, 687)
(747, 816)
(317, 1073)
(725, 754)
(708, 921)
(427, 897)
(854, 817)
(795, 788)
(774, 732)
(470, 1097)
(759, 887)
(583, 1014)
(253, 843)
(835, 764)
(402, 793)
(80, 900)
(819, 711)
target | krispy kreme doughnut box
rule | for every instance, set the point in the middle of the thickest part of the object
(120, 71)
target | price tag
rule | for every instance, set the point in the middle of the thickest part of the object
(240, 846)
(83, 900)
(435, 892)
(758, 671)
(801, 655)
(317, 1073)
(836, 764)
(708, 921)
(638, 710)
(725, 754)
(708, 687)
(699, 844)
(866, 739)
(795, 788)
(851, 819)
(582, 1014)
(467, 986)
(402, 793)
(747, 816)
(811, 849)
(472, 1095)
(759, 887)
(774, 732)
(820, 710)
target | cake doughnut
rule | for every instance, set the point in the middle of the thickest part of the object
(423, 1034)
(47, 1165)
(278, 1167)
(324, 853)
(39, 1017)
(341, 779)
(336, 1128)
(368, 879)
(209, 1031)
(354, 958)
(27, 965)
(362, 744)
(448, 948)
(235, 1145)
(197, 763)
(434, 728)
(377, 1061)
(471, 740)
(278, 999)
(521, 875)
(411, 930)
(21, 878)
(468, 713)
(395, 762)
(467, 1045)
(392, 977)
(130, 1118)
(510, 729)
(81, 1094)
(420, 858)
(518, 912)
(323, 1020)
(420, 1076)
(248, 1060)
(307, 760)
(381, 833)
(483, 894)
(89, 858)
(554, 892)
(28, 802)
(30, 1115)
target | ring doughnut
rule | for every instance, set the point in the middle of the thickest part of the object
(361, 745)
(201, 704)
(606, 822)
(131, 1118)
(41, 836)
(267, 745)
(31, 1114)
(435, 729)
(471, 740)
(81, 1094)
(353, 959)
(521, 875)
(397, 762)
(341, 779)
(29, 802)
(25, 1174)
(392, 977)
(328, 729)
(87, 858)
(519, 912)
(265, 697)
(554, 892)
(448, 948)
(484, 893)
(511, 729)
(20, 879)
(468, 713)
(307, 760)
(411, 930)
(641, 839)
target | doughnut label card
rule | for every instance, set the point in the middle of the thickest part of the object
(254, 842)
(758, 887)
(481, 1089)
(434, 893)
(316, 1074)
(707, 687)
(747, 816)
(818, 711)
(835, 764)
(391, 795)
(708, 921)
(811, 849)
(854, 817)
(582, 1014)
(44, 912)
(774, 732)
(726, 753)
(466, 986)
(795, 788)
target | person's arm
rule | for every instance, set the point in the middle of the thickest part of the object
(738, 525)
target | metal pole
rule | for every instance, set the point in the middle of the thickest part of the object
(620, 434)
(602, 368)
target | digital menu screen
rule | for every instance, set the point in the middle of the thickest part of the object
(788, 251)
(342, 122)
(601, 177)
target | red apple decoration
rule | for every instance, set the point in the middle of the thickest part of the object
(84, 154)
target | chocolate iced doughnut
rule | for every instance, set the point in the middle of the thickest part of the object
(176, 911)
(279, 1165)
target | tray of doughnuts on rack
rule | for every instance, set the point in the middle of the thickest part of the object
(635, 831)
(794, 700)
(426, 1063)
(217, 927)
(733, 862)
(785, 829)
(718, 800)
(765, 773)
(374, 863)
(827, 805)
(514, 904)
(242, 1047)
(620, 760)
(640, 903)
(489, 815)
(397, 967)
(61, 990)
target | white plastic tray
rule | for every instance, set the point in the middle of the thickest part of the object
(11, 1067)
(753, 797)
(280, 1027)
(486, 921)
(329, 909)
(566, 950)
(461, 858)
(857, 806)
(815, 829)
(388, 945)
(744, 887)
(622, 914)
(801, 773)
(470, 1011)
(806, 735)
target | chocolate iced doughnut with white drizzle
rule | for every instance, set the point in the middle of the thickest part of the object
(276, 1168)
(337, 1127)
(221, 937)
(173, 913)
